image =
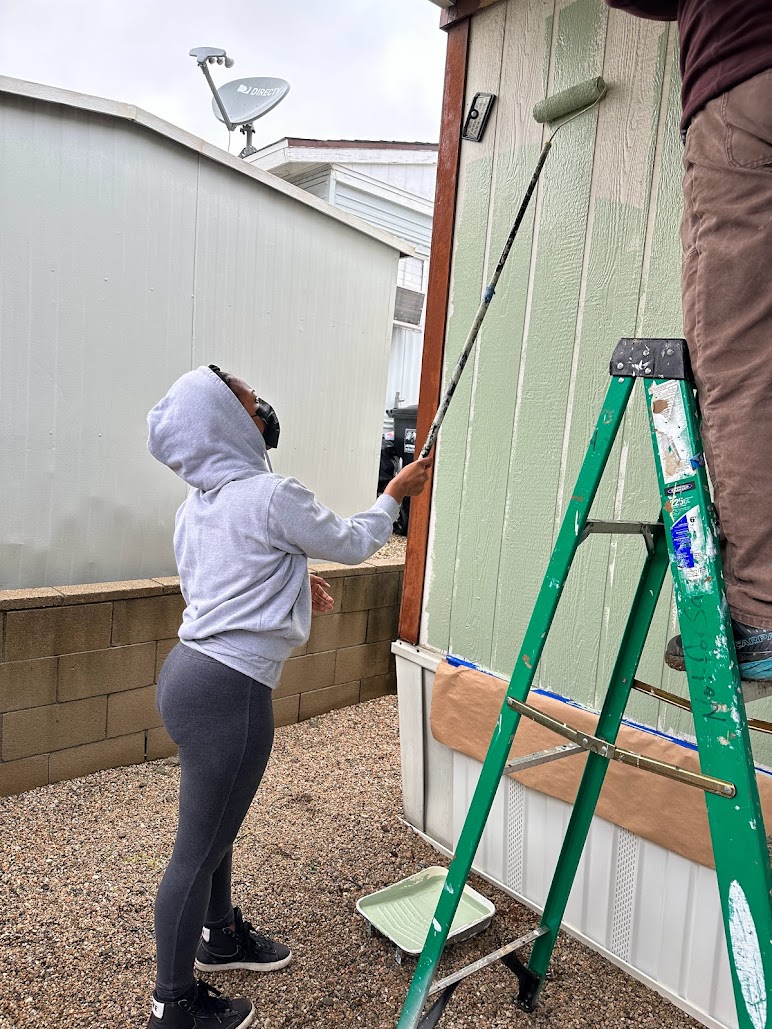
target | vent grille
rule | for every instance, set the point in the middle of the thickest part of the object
(409, 306)
(515, 834)
(624, 893)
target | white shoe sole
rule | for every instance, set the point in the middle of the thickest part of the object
(249, 1019)
(246, 966)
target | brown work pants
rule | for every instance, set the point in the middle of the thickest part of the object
(727, 301)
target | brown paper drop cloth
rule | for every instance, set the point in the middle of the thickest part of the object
(466, 704)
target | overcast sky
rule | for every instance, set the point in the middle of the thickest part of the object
(366, 69)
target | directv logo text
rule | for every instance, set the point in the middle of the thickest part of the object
(255, 91)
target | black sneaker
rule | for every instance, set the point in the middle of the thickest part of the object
(202, 1007)
(754, 653)
(242, 947)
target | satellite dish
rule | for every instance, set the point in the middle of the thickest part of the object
(242, 101)
(248, 99)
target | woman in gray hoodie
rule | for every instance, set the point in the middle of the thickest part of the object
(242, 540)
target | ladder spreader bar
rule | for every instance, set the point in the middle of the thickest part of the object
(672, 698)
(495, 955)
(608, 750)
(540, 757)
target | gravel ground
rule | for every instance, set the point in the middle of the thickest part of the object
(81, 861)
(393, 550)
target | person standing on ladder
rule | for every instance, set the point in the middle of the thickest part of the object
(726, 285)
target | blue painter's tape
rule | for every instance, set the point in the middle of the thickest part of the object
(488, 294)
(459, 662)
(697, 461)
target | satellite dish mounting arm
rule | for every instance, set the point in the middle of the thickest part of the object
(206, 55)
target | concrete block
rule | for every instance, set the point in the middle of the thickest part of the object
(133, 711)
(159, 744)
(312, 672)
(362, 662)
(378, 589)
(319, 702)
(106, 671)
(23, 775)
(164, 648)
(25, 684)
(285, 710)
(382, 624)
(91, 592)
(169, 583)
(334, 570)
(330, 632)
(378, 686)
(18, 600)
(93, 757)
(42, 730)
(57, 630)
(151, 618)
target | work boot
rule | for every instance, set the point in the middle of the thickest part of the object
(242, 947)
(202, 1007)
(754, 652)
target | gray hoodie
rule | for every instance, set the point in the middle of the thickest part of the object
(243, 536)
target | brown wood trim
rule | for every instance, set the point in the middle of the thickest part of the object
(463, 9)
(436, 315)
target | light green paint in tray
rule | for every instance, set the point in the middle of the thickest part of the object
(403, 911)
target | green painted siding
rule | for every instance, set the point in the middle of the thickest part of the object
(597, 257)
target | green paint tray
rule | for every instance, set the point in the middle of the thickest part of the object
(403, 911)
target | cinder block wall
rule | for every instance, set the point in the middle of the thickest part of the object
(79, 664)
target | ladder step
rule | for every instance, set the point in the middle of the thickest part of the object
(603, 748)
(540, 757)
(645, 529)
(489, 959)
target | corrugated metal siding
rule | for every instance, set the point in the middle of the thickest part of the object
(126, 260)
(650, 910)
(419, 179)
(597, 257)
(410, 225)
(405, 365)
(655, 911)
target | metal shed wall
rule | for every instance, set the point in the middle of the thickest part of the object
(127, 258)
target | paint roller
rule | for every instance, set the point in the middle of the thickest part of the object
(563, 107)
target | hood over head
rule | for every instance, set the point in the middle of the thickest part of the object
(201, 431)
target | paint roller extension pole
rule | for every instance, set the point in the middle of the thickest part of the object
(583, 96)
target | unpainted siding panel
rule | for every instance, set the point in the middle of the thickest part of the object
(466, 285)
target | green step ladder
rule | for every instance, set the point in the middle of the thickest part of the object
(686, 537)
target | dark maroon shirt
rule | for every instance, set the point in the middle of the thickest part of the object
(723, 43)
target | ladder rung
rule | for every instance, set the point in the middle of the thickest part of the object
(672, 698)
(540, 757)
(603, 748)
(645, 529)
(495, 955)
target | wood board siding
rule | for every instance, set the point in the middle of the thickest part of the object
(597, 257)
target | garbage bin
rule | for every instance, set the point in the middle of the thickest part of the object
(404, 431)
(404, 448)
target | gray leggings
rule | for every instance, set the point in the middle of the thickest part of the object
(222, 722)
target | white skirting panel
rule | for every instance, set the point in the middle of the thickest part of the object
(652, 912)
